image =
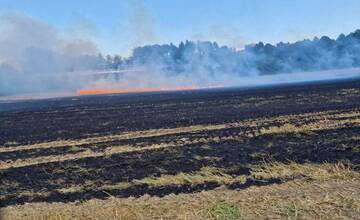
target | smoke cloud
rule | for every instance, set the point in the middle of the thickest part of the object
(34, 57)
(206, 64)
(37, 58)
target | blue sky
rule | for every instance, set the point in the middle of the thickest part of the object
(119, 25)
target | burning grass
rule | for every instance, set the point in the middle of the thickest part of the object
(113, 91)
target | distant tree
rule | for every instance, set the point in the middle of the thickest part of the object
(117, 61)
(306, 55)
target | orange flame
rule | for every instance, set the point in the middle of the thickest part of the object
(111, 91)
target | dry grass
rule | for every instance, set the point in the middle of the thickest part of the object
(319, 117)
(356, 138)
(311, 171)
(308, 128)
(320, 121)
(353, 91)
(108, 138)
(316, 191)
(322, 191)
(206, 174)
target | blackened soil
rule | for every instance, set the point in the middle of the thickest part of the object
(71, 118)
(47, 120)
(317, 147)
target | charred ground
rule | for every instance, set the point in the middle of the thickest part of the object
(78, 149)
(31, 122)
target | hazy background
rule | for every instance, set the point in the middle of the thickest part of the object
(54, 46)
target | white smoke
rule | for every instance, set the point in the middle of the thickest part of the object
(35, 57)
(38, 58)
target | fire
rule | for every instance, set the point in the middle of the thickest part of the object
(111, 91)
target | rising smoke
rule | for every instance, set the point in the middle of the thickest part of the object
(37, 58)
(204, 64)
(34, 57)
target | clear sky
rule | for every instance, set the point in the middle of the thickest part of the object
(118, 25)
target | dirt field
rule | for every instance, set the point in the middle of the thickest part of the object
(286, 152)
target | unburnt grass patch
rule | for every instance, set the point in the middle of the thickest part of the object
(320, 191)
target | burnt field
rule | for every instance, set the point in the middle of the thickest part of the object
(158, 144)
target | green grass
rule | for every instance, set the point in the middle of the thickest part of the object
(293, 211)
(225, 211)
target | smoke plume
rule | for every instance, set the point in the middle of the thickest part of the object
(34, 57)
(37, 58)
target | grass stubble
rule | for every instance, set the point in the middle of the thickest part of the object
(315, 191)
(303, 190)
